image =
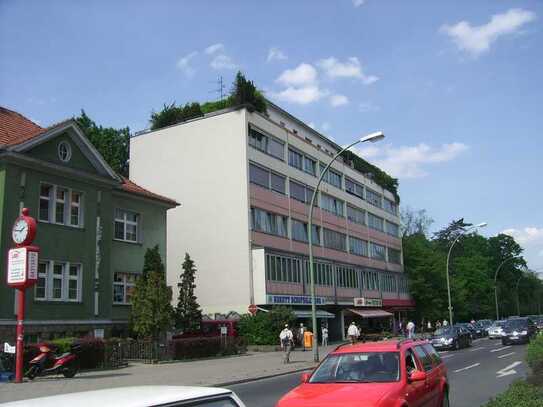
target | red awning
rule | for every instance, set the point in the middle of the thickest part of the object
(371, 313)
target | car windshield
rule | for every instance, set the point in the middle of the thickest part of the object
(516, 324)
(444, 331)
(358, 368)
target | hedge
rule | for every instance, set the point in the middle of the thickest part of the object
(194, 348)
(519, 394)
(264, 327)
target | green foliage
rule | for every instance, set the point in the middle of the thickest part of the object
(152, 313)
(245, 92)
(201, 347)
(112, 144)
(188, 315)
(534, 355)
(519, 394)
(63, 345)
(172, 114)
(209, 107)
(264, 327)
(379, 176)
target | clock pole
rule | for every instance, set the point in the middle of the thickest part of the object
(19, 346)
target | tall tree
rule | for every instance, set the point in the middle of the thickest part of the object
(448, 234)
(151, 301)
(112, 144)
(188, 315)
(415, 221)
(245, 92)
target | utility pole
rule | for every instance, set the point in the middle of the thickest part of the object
(220, 89)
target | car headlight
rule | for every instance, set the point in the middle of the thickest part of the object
(515, 333)
(524, 332)
(448, 341)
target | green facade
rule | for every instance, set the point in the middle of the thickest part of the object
(20, 181)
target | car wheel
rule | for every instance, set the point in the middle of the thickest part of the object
(445, 402)
(456, 345)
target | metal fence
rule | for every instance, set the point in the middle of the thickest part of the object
(143, 351)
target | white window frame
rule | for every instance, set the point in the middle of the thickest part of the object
(52, 206)
(49, 277)
(125, 285)
(126, 222)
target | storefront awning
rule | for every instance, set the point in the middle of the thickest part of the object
(307, 314)
(371, 313)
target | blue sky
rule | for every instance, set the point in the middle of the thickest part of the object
(455, 85)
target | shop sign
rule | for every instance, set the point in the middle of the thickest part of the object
(294, 300)
(368, 302)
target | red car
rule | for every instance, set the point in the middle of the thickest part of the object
(406, 373)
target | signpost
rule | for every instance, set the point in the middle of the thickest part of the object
(22, 272)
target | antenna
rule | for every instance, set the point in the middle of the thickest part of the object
(220, 88)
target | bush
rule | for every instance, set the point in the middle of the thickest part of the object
(194, 348)
(534, 354)
(90, 352)
(519, 394)
(63, 345)
(264, 327)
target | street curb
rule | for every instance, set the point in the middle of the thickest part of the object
(254, 379)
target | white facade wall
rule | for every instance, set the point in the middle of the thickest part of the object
(203, 165)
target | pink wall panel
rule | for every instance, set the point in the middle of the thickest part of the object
(274, 287)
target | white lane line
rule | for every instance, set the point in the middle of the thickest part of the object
(477, 348)
(508, 370)
(507, 354)
(500, 349)
(443, 352)
(446, 356)
(467, 367)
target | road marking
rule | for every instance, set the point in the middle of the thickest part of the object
(508, 370)
(443, 352)
(446, 356)
(507, 354)
(477, 348)
(500, 349)
(467, 367)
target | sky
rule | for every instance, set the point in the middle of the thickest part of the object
(456, 86)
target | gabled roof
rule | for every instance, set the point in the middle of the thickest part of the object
(17, 133)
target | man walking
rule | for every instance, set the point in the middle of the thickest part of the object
(410, 329)
(353, 333)
(324, 336)
(286, 337)
(300, 336)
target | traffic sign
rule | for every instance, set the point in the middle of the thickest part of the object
(252, 309)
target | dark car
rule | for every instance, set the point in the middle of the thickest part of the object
(518, 330)
(475, 332)
(486, 324)
(448, 337)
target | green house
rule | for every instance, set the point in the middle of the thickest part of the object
(94, 227)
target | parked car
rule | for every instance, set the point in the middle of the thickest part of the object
(486, 324)
(381, 374)
(496, 330)
(139, 396)
(518, 330)
(447, 337)
(475, 333)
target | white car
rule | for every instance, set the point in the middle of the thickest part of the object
(496, 330)
(139, 396)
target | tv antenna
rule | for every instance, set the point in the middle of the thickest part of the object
(220, 89)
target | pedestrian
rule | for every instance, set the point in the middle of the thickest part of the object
(300, 336)
(400, 328)
(410, 329)
(445, 322)
(286, 338)
(429, 326)
(438, 324)
(324, 335)
(353, 333)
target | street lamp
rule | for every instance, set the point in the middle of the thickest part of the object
(518, 299)
(479, 225)
(496, 284)
(372, 138)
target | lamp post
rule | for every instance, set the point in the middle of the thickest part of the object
(518, 299)
(496, 284)
(372, 138)
(479, 225)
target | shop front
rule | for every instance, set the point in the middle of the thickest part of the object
(370, 317)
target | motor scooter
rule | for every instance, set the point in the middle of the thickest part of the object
(47, 363)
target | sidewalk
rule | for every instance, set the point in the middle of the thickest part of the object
(211, 372)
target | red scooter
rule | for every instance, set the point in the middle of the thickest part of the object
(47, 363)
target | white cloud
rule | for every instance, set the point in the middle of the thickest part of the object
(358, 3)
(366, 107)
(476, 40)
(351, 68)
(338, 100)
(276, 54)
(301, 95)
(303, 74)
(184, 64)
(214, 48)
(526, 236)
(222, 61)
(410, 161)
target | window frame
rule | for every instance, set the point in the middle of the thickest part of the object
(369, 193)
(49, 277)
(339, 234)
(267, 149)
(67, 204)
(125, 284)
(126, 222)
(336, 203)
(269, 216)
(327, 177)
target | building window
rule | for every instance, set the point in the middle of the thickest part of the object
(123, 287)
(278, 183)
(267, 222)
(373, 198)
(58, 281)
(60, 205)
(334, 240)
(354, 188)
(375, 222)
(394, 256)
(64, 151)
(332, 177)
(358, 246)
(266, 144)
(259, 176)
(377, 251)
(295, 159)
(356, 215)
(388, 283)
(346, 277)
(299, 232)
(283, 269)
(393, 229)
(390, 206)
(331, 204)
(310, 166)
(323, 273)
(302, 193)
(126, 225)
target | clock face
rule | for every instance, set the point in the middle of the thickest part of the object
(20, 231)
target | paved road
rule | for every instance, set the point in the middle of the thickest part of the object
(475, 375)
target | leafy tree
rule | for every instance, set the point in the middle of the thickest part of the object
(172, 114)
(415, 222)
(245, 92)
(448, 234)
(112, 144)
(188, 315)
(151, 309)
(264, 327)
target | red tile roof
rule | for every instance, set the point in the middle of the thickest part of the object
(132, 187)
(15, 128)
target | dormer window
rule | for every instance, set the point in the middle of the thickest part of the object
(64, 151)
